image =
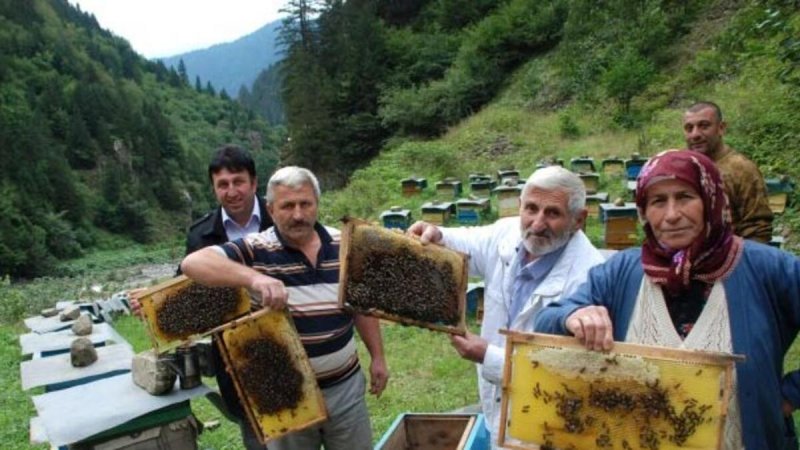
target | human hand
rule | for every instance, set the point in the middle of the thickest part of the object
(273, 293)
(136, 306)
(426, 232)
(592, 326)
(378, 376)
(470, 346)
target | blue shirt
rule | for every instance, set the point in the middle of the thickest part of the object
(236, 231)
(529, 277)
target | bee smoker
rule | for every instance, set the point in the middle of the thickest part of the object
(186, 364)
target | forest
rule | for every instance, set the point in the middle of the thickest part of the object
(102, 148)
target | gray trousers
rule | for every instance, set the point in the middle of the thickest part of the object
(347, 428)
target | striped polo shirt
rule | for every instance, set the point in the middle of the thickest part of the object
(325, 330)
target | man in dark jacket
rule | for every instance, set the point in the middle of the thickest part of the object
(232, 173)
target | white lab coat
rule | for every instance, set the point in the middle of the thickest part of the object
(493, 255)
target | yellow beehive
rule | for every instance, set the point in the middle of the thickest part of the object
(283, 396)
(557, 394)
(390, 275)
(170, 323)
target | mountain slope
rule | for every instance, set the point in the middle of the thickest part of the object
(234, 64)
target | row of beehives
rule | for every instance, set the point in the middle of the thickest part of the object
(555, 394)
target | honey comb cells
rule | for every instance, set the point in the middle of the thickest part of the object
(269, 376)
(398, 282)
(195, 309)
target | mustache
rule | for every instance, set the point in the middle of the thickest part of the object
(542, 234)
(300, 223)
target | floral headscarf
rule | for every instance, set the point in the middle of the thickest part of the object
(714, 253)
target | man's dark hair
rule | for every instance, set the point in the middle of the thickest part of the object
(233, 158)
(699, 106)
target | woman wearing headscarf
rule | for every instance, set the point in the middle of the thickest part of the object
(695, 285)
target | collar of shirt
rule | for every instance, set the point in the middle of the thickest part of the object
(529, 277)
(236, 231)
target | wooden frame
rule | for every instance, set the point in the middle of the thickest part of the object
(456, 260)
(278, 325)
(152, 299)
(722, 362)
(422, 431)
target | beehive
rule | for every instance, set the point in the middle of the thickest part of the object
(396, 217)
(271, 373)
(556, 394)
(613, 166)
(179, 310)
(591, 182)
(508, 200)
(437, 212)
(432, 432)
(481, 188)
(582, 165)
(448, 189)
(413, 186)
(507, 177)
(778, 191)
(469, 211)
(593, 203)
(633, 166)
(620, 225)
(389, 275)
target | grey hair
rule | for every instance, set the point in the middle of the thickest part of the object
(292, 177)
(556, 177)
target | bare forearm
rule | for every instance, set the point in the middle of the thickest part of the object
(211, 268)
(369, 329)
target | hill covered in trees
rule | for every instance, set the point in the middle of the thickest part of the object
(96, 142)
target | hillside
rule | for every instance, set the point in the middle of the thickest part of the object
(232, 65)
(743, 56)
(101, 148)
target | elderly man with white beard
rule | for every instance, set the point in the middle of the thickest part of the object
(526, 262)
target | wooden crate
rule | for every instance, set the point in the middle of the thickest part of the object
(277, 326)
(154, 300)
(392, 276)
(429, 432)
(557, 394)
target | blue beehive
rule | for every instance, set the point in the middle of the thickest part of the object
(396, 217)
(475, 300)
(469, 211)
(633, 166)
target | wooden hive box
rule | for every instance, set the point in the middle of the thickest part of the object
(778, 191)
(396, 217)
(475, 300)
(613, 166)
(473, 177)
(180, 310)
(593, 203)
(413, 186)
(390, 275)
(430, 432)
(437, 212)
(582, 165)
(507, 177)
(448, 189)
(591, 182)
(620, 225)
(271, 373)
(557, 394)
(508, 200)
(470, 211)
(482, 188)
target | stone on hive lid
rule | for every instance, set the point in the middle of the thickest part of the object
(82, 352)
(70, 313)
(152, 374)
(82, 326)
(49, 312)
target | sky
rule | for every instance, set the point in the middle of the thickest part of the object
(160, 28)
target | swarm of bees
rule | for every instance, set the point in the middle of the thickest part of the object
(270, 377)
(397, 282)
(195, 309)
(655, 416)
